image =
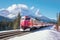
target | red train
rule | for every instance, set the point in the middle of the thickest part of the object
(30, 23)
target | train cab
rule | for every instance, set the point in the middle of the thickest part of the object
(25, 22)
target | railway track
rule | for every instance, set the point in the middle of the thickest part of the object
(7, 35)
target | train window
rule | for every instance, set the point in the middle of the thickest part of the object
(27, 19)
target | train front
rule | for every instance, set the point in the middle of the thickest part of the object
(25, 23)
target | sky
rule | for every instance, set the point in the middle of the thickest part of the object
(48, 8)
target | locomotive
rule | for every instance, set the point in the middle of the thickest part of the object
(31, 24)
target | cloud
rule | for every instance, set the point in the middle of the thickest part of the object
(22, 6)
(16, 7)
(11, 7)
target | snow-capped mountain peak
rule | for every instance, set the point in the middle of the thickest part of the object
(12, 11)
(4, 13)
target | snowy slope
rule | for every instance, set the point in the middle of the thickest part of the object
(43, 18)
(4, 18)
(12, 12)
(40, 35)
(24, 12)
(4, 12)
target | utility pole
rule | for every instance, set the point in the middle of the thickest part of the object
(59, 19)
(58, 22)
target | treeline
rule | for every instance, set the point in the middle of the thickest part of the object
(10, 25)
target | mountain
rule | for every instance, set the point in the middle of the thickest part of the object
(39, 18)
(12, 11)
(4, 13)
(4, 18)
(43, 18)
(53, 20)
(7, 14)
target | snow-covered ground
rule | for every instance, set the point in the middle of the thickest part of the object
(9, 30)
(40, 35)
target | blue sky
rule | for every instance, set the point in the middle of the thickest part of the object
(49, 8)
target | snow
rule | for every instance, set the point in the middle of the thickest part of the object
(40, 35)
(9, 30)
(25, 30)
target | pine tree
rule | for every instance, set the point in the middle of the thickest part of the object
(16, 23)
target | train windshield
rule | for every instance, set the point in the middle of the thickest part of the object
(27, 19)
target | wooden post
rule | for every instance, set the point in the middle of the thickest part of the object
(58, 22)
